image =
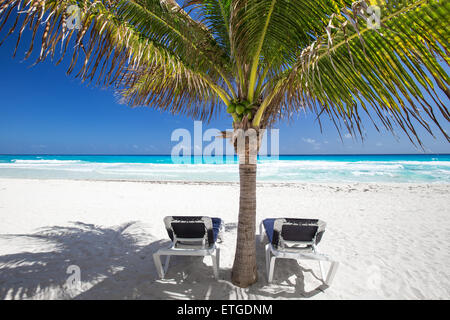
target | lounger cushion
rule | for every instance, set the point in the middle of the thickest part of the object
(293, 232)
(268, 226)
(189, 230)
(193, 229)
(216, 222)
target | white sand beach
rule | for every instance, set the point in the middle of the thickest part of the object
(392, 240)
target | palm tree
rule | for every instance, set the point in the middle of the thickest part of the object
(262, 60)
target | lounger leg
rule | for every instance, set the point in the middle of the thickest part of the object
(218, 258)
(215, 260)
(270, 264)
(322, 273)
(158, 265)
(261, 233)
(331, 272)
(221, 231)
(272, 268)
(166, 264)
(267, 259)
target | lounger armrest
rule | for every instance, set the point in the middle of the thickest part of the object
(261, 231)
(221, 231)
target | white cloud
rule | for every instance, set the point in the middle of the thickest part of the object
(309, 140)
(313, 142)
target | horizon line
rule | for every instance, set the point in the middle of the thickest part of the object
(287, 154)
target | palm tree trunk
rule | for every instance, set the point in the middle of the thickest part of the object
(244, 271)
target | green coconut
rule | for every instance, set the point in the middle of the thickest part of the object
(231, 108)
(249, 114)
(240, 109)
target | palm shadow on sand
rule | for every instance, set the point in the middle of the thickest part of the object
(117, 263)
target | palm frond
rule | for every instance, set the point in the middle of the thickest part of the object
(215, 15)
(284, 56)
(113, 46)
(171, 93)
(180, 34)
(268, 34)
(386, 70)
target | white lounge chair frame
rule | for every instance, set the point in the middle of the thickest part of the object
(189, 246)
(298, 250)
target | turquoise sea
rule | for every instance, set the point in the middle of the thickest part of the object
(286, 168)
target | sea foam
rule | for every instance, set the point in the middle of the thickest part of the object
(406, 168)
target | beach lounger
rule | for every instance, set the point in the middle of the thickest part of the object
(295, 239)
(191, 236)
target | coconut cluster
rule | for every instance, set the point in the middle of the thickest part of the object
(241, 109)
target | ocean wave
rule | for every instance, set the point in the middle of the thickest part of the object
(426, 163)
(325, 165)
(43, 161)
(372, 173)
(268, 170)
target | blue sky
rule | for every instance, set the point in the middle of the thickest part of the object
(43, 111)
